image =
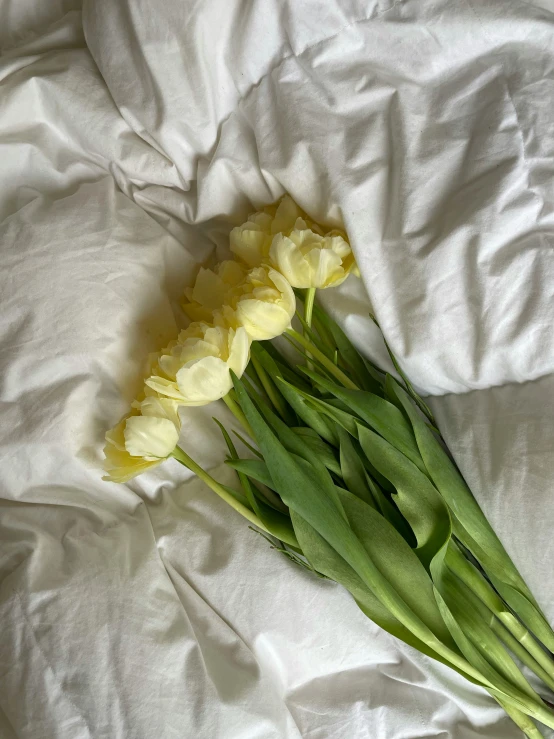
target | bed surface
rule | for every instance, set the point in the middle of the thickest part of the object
(133, 135)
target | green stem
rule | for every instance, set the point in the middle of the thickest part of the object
(322, 359)
(308, 310)
(309, 305)
(218, 489)
(537, 657)
(236, 410)
(521, 719)
(517, 648)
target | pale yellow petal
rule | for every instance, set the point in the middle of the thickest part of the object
(288, 299)
(162, 408)
(215, 337)
(231, 272)
(203, 381)
(124, 473)
(115, 438)
(196, 312)
(150, 437)
(239, 351)
(325, 266)
(209, 289)
(164, 387)
(195, 330)
(118, 463)
(262, 320)
(286, 216)
(262, 220)
(194, 349)
(226, 318)
(249, 244)
(288, 259)
(266, 305)
(170, 365)
(338, 245)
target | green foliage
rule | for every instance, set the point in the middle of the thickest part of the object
(352, 476)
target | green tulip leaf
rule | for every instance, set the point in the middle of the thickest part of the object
(473, 529)
(378, 413)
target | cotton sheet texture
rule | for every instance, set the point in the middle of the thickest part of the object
(133, 134)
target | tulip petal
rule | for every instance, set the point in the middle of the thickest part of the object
(285, 217)
(289, 261)
(250, 243)
(115, 437)
(150, 437)
(164, 387)
(325, 267)
(231, 272)
(239, 352)
(162, 408)
(124, 473)
(264, 304)
(262, 320)
(209, 289)
(203, 381)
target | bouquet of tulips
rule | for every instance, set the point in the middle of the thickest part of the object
(345, 471)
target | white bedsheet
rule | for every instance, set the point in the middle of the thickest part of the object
(132, 134)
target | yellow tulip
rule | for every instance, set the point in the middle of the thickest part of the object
(251, 241)
(286, 216)
(142, 440)
(228, 296)
(308, 259)
(152, 367)
(196, 371)
(264, 304)
(283, 236)
(210, 290)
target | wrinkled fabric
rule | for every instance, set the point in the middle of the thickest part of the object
(134, 135)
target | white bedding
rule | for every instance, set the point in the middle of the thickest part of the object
(132, 135)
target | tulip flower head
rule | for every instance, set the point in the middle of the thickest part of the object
(264, 304)
(196, 372)
(143, 439)
(211, 289)
(251, 241)
(309, 260)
